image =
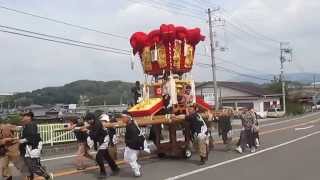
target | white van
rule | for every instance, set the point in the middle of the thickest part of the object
(275, 113)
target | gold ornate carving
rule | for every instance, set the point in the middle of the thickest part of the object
(177, 54)
(162, 58)
(189, 56)
(146, 59)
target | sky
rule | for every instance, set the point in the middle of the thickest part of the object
(250, 35)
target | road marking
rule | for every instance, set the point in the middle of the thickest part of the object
(283, 121)
(289, 127)
(73, 171)
(242, 157)
(303, 128)
(236, 130)
(289, 120)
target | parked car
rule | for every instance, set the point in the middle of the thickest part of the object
(316, 107)
(275, 113)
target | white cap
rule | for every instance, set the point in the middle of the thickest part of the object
(104, 117)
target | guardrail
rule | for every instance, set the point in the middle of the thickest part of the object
(51, 136)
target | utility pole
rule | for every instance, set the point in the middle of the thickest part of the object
(213, 61)
(314, 81)
(284, 52)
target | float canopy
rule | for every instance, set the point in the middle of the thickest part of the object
(167, 49)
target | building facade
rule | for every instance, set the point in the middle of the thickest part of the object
(240, 95)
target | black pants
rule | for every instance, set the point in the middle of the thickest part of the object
(103, 154)
(256, 135)
(35, 167)
(225, 138)
(246, 137)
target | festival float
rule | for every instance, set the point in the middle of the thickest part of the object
(167, 56)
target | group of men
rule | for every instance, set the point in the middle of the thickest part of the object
(23, 151)
(92, 134)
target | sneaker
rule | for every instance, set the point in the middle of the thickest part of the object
(7, 178)
(257, 142)
(116, 172)
(147, 150)
(81, 168)
(239, 150)
(202, 161)
(103, 175)
(49, 177)
(253, 150)
(136, 172)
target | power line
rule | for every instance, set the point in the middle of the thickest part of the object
(198, 10)
(122, 53)
(162, 7)
(240, 74)
(251, 31)
(195, 4)
(250, 34)
(65, 43)
(63, 22)
(242, 38)
(65, 39)
(244, 67)
(221, 68)
(236, 64)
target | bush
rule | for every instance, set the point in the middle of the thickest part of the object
(13, 119)
(294, 108)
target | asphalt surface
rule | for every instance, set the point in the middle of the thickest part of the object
(282, 156)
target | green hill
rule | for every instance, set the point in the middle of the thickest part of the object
(78, 92)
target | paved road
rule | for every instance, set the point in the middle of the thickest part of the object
(289, 151)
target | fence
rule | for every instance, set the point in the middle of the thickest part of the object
(51, 136)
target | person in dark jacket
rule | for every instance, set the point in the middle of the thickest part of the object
(137, 92)
(224, 128)
(135, 142)
(100, 139)
(31, 146)
(199, 132)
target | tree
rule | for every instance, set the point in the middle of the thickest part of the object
(13, 119)
(293, 106)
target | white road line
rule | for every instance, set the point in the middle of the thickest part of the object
(236, 130)
(303, 128)
(289, 120)
(242, 157)
(282, 121)
(57, 158)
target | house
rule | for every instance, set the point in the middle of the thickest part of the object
(37, 110)
(240, 95)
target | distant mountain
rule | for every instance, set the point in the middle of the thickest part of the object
(304, 78)
(82, 91)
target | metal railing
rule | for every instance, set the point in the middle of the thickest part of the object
(51, 136)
